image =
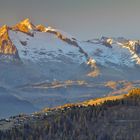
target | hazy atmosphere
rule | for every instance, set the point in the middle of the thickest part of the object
(84, 19)
(69, 70)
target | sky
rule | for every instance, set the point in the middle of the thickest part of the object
(84, 19)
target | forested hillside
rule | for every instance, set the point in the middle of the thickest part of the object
(113, 118)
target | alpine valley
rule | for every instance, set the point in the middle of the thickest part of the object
(46, 67)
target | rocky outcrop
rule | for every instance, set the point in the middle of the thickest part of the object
(6, 45)
(25, 26)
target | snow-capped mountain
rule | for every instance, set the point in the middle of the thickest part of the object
(28, 42)
(35, 43)
(113, 51)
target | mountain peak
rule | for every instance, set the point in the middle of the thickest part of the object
(25, 26)
(4, 29)
(6, 45)
(26, 22)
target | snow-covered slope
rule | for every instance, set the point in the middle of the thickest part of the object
(39, 43)
(45, 47)
(113, 51)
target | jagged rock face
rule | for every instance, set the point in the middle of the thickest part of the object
(25, 26)
(6, 45)
(134, 46)
(41, 28)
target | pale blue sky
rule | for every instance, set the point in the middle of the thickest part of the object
(84, 19)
